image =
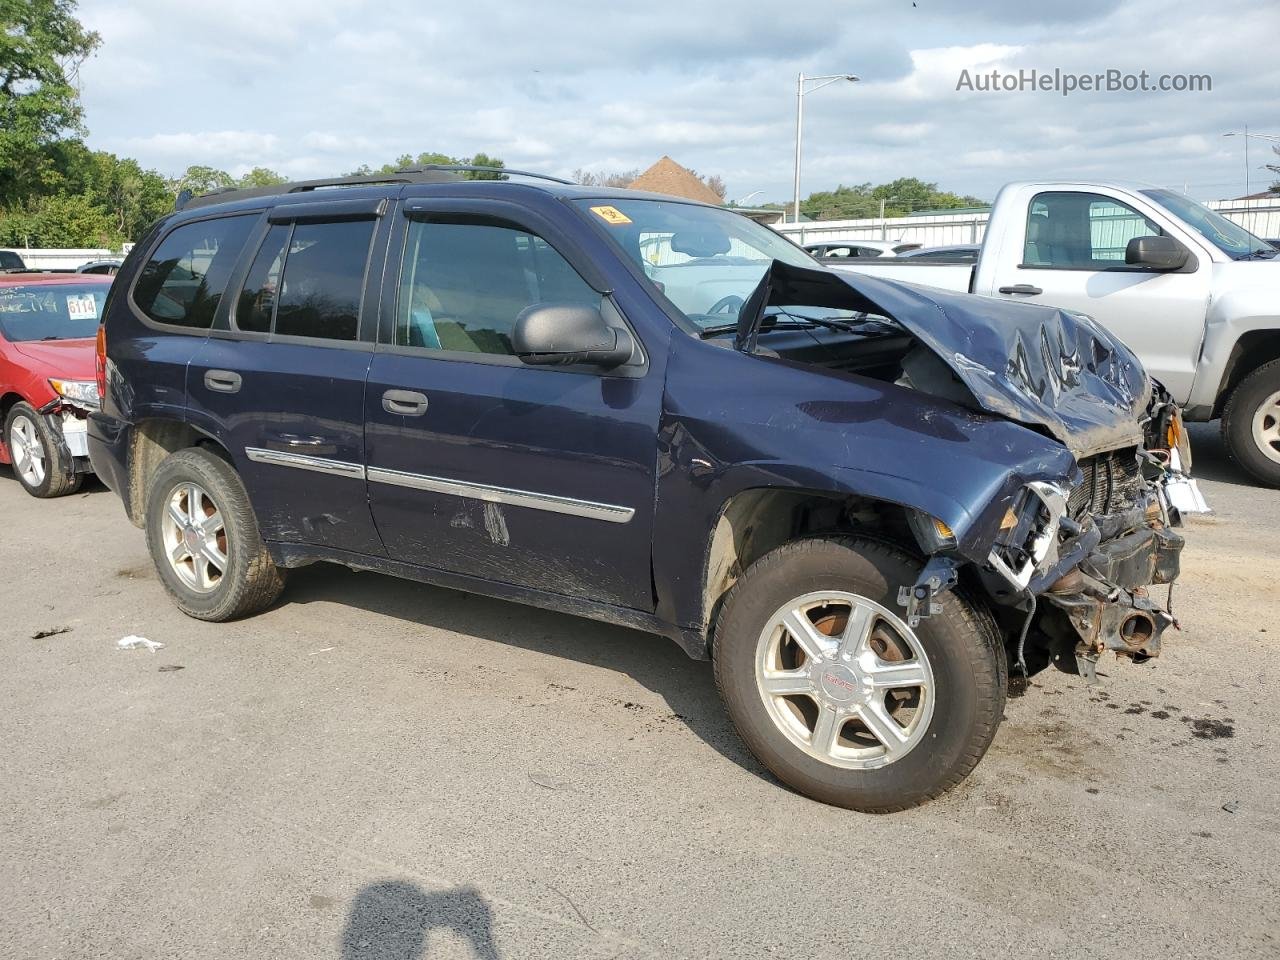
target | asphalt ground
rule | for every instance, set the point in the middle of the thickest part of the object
(381, 769)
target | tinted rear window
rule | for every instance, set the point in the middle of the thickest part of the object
(185, 278)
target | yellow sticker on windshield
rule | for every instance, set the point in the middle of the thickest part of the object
(611, 215)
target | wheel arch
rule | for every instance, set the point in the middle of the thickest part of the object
(151, 441)
(1253, 349)
(757, 520)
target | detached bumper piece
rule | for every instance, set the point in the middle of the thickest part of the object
(1105, 599)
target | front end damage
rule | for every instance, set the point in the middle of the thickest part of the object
(1067, 557)
(1072, 565)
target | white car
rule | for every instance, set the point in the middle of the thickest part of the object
(830, 249)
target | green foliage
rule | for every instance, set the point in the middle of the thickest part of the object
(425, 159)
(261, 177)
(68, 220)
(901, 197)
(42, 45)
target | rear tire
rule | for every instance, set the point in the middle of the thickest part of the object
(204, 539)
(40, 462)
(1251, 424)
(883, 717)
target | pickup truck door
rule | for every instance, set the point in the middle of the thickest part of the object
(1072, 256)
(479, 464)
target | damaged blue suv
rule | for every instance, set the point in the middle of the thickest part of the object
(876, 507)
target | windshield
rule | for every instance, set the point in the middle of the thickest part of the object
(1231, 238)
(54, 311)
(706, 261)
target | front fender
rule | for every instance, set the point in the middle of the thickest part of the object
(734, 422)
(1239, 311)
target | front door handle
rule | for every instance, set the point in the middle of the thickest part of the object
(222, 381)
(1025, 289)
(404, 403)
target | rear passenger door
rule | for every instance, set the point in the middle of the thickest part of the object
(177, 294)
(281, 382)
(541, 477)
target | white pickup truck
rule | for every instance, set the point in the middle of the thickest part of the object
(1196, 296)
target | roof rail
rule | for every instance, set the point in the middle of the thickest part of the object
(427, 173)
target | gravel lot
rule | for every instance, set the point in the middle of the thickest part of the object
(379, 769)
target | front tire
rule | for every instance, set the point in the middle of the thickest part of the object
(204, 540)
(837, 696)
(1251, 424)
(40, 462)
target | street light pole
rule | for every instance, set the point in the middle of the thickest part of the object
(1247, 137)
(820, 82)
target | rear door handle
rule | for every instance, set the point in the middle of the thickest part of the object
(404, 403)
(222, 381)
(1025, 289)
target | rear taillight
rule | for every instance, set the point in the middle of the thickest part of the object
(100, 362)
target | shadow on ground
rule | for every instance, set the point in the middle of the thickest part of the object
(393, 920)
(1209, 457)
(656, 663)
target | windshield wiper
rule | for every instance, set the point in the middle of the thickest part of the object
(1258, 255)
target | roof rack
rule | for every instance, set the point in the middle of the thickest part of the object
(426, 173)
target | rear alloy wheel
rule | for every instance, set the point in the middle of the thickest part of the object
(204, 539)
(835, 693)
(1251, 424)
(40, 462)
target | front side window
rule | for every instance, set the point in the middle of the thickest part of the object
(1081, 231)
(183, 281)
(705, 260)
(463, 283)
(51, 311)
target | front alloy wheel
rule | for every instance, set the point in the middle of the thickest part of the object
(845, 679)
(40, 459)
(837, 695)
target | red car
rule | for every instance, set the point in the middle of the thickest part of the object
(48, 327)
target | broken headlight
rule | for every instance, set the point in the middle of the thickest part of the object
(79, 393)
(1028, 535)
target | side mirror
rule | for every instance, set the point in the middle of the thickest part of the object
(1158, 253)
(563, 333)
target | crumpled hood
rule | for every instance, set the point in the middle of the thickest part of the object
(1035, 365)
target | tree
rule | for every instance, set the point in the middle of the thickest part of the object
(901, 197)
(1275, 168)
(200, 180)
(620, 178)
(428, 159)
(261, 177)
(42, 46)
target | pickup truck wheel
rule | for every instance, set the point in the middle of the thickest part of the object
(837, 696)
(40, 462)
(204, 539)
(1251, 424)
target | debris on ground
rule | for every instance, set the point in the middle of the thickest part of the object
(51, 632)
(136, 643)
(1231, 806)
(171, 667)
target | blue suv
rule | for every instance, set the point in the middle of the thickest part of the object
(876, 507)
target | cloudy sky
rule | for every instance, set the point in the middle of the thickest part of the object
(316, 87)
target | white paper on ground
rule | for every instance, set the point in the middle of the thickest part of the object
(137, 643)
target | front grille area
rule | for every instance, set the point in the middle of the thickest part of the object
(1111, 480)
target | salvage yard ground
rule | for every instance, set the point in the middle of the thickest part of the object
(378, 769)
